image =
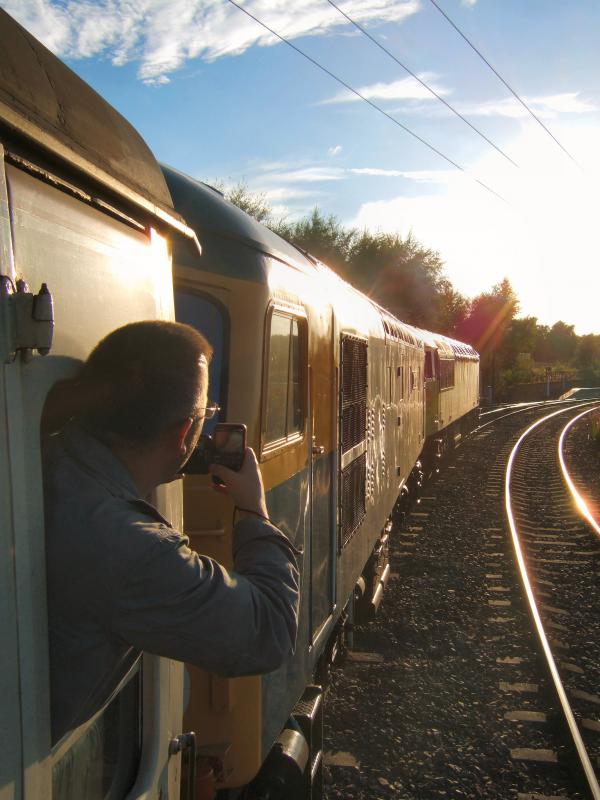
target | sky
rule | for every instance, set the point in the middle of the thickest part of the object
(217, 96)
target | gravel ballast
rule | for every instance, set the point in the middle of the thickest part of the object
(441, 696)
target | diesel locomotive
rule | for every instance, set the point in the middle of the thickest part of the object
(341, 400)
(344, 405)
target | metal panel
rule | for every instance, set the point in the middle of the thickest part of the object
(10, 729)
(353, 498)
(102, 274)
(353, 400)
(323, 402)
(7, 266)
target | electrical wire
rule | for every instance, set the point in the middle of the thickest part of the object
(423, 83)
(366, 99)
(501, 79)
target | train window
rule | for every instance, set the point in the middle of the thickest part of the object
(400, 383)
(208, 316)
(284, 411)
(294, 411)
(446, 373)
(429, 366)
(102, 763)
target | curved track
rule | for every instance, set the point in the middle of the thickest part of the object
(557, 560)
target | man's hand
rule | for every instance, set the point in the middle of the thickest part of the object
(244, 487)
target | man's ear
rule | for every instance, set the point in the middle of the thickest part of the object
(182, 431)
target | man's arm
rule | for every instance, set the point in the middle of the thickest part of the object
(188, 607)
(178, 604)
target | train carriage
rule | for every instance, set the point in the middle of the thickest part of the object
(85, 226)
(330, 387)
(452, 392)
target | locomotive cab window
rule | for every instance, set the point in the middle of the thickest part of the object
(429, 366)
(400, 383)
(210, 317)
(283, 418)
(446, 373)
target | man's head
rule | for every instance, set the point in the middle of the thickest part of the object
(148, 385)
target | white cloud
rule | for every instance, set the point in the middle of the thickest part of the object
(335, 151)
(48, 22)
(547, 107)
(420, 176)
(287, 173)
(161, 35)
(545, 241)
(404, 89)
(469, 3)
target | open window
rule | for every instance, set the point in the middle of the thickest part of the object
(284, 406)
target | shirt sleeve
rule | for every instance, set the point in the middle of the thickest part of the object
(172, 602)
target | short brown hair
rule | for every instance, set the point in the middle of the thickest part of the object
(141, 379)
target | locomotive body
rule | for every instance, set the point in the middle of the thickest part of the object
(331, 390)
(452, 391)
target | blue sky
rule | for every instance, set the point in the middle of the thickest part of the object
(214, 95)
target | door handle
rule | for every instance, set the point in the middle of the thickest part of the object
(318, 449)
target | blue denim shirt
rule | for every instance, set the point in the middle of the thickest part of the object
(121, 580)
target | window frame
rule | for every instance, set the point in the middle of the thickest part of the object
(180, 287)
(447, 381)
(297, 313)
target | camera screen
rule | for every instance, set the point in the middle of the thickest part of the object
(229, 441)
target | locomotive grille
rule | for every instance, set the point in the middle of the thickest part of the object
(353, 497)
(353, 411)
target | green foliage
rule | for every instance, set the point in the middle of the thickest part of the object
(322, 236)
(398, 273)
(408, 278)
(253, 203)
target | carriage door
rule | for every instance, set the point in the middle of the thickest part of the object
(322, 428)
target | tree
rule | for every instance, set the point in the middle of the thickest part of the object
(588, 351)
(561, 342)
(490, 317)
(521, 337)
(253, 203)
(400, 274)
(322, 236)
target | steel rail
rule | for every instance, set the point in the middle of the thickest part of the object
(529, 407)
(507, 406)
(579, 501)
(582, 753)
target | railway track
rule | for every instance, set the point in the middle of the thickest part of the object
(557, 546)
(444, 695)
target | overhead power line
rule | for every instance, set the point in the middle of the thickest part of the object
(423, 83)
(365, 99)
(501, 79)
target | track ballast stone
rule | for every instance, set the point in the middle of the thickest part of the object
(427, 716)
